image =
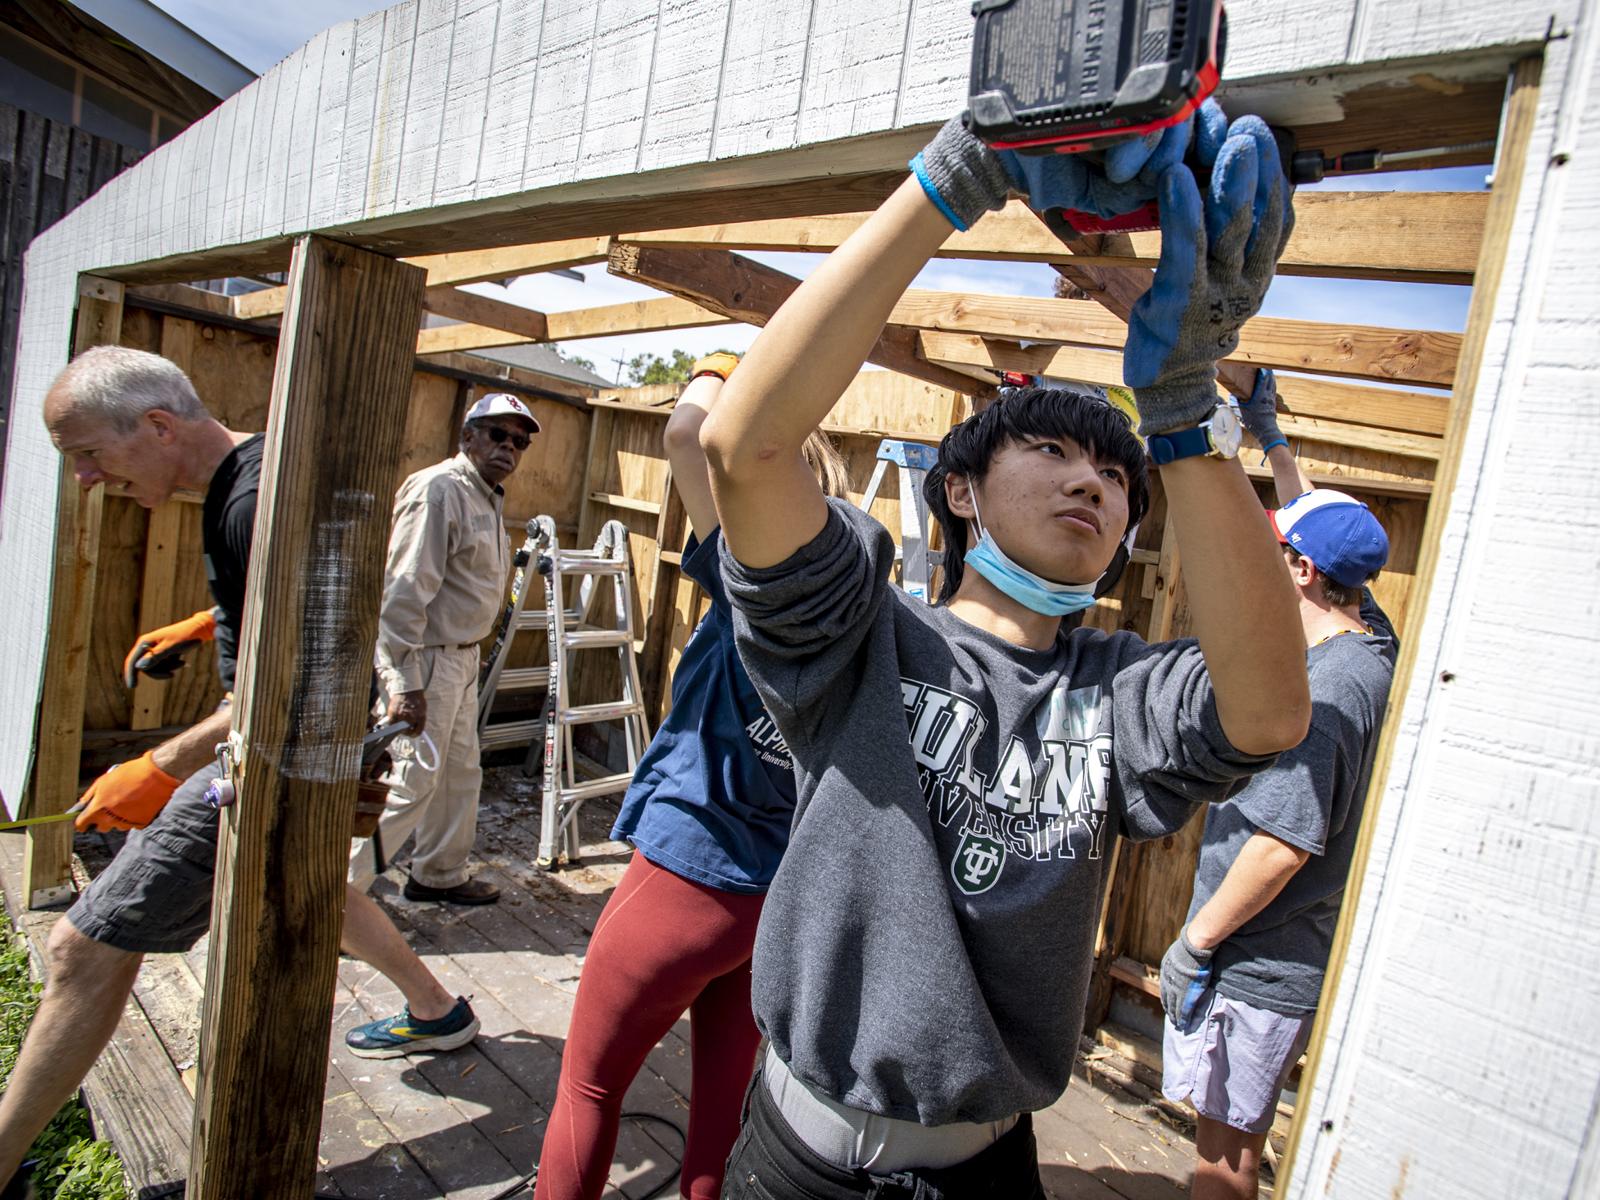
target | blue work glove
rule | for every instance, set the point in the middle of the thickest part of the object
(1120, 179)
(965, 178)
(1260, 412)
(1217, 260)
(1185, 976)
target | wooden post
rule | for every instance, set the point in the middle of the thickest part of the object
(47, 859)
(162, 538)
(334, 435)
(656, 626)
(161, 543)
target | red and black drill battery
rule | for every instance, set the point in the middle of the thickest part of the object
(1070, 76)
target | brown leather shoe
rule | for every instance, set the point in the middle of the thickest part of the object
(473, 891)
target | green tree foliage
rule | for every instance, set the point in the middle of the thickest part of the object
(652, 368)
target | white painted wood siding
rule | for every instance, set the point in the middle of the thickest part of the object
(1461, 1058)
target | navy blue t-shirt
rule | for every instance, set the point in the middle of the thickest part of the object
(713, 798)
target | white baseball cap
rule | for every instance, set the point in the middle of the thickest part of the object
(501, 404)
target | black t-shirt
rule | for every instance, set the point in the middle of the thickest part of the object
(227, 524)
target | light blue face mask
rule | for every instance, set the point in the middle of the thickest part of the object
(1043, 596)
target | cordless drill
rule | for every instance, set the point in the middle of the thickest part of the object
(1072, 76)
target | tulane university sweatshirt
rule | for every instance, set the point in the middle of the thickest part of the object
(925, 949)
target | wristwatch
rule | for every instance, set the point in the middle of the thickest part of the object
(1219, 437)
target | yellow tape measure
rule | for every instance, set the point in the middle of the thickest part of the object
(66, 816)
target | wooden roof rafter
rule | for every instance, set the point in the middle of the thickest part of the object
(1412, 237)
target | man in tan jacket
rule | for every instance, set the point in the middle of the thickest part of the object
(449, 562)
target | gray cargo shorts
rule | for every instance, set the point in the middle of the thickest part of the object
(155, 897)
(1232, 1061)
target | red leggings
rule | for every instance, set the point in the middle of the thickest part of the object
(663, 944)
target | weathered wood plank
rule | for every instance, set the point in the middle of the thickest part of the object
(47, 863)
(524, 324)
(344, 360)
(139, 1103)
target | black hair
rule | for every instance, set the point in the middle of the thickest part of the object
(1102, 429)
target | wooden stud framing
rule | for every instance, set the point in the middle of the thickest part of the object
(1310, 404)
(632, 316)
(463, 266)
(47, 860)
(456, 305)
(344, 362)
(745, 290)
(671, 531)
(161, 554)
(1417, 237)
(1358, 351)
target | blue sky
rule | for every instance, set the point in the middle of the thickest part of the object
(261, 35)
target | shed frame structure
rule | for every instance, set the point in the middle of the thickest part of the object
(445, 132)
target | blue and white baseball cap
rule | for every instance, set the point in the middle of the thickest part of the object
(501, 404)
(1336, 532)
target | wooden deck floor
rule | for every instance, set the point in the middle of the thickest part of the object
(466, 1125)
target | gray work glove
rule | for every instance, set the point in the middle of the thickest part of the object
(1217, 259)
(965, 178)
(961, 174)
(1260, 412)
(1185, 976)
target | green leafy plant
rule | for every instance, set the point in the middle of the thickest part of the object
(71, 1164)
(652, 368)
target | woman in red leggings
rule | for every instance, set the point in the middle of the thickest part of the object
(708, 813)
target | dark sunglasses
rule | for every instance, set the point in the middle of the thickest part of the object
(497, 435)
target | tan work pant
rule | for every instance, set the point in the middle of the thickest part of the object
(439, 807)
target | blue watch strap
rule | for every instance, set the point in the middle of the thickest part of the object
(1185, 443)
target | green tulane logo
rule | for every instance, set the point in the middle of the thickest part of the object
(978, 862)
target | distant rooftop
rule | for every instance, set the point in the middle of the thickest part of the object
(545, 360)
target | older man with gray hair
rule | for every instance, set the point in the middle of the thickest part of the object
(449, 564)
(132, 421)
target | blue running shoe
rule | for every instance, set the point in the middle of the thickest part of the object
(403, 1034)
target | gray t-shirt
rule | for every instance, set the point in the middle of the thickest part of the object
(1312, 799)
(925, 950)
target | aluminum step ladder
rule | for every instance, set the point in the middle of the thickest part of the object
(569, 629)
(498, 678)
(913, 461)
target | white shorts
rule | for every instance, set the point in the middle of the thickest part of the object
(1232, 1061)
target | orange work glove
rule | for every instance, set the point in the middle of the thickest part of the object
(160, 652)
(720, 364)
(128, 796)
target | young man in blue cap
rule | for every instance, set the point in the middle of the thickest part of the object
(1240, 985)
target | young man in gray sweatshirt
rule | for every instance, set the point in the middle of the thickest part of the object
(923, 959)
